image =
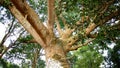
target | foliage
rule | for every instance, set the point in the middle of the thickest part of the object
(86, 57)
(109, 36)
(115, 55)
(26, 52)
(73, 11)
(4, 64)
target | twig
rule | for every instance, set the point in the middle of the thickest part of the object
(8, 33)
(7, 48)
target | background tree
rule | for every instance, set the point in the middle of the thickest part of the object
(4, 64)
(29, 53)
(68, 28)
(87, 57)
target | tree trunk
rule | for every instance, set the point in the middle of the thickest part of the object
(55, 50)
(56, 56)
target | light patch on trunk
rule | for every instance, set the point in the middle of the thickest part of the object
(52, 63)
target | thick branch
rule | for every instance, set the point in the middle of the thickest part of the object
(32, 18)
(51, 14)
(25, 23)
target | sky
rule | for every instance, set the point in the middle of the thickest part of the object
(2, 31)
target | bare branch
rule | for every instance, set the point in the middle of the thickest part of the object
(29, 41)
(8, 33)
(58, 25)
(1, 2)
(78, 46)
(72, 40)
(64, 22)
(107, 18)
(105, 7)
(7, 48)
(90, 28)
(66, 33)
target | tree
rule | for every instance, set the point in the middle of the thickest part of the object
(78, 23)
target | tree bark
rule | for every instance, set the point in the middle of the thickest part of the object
(56, 55)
